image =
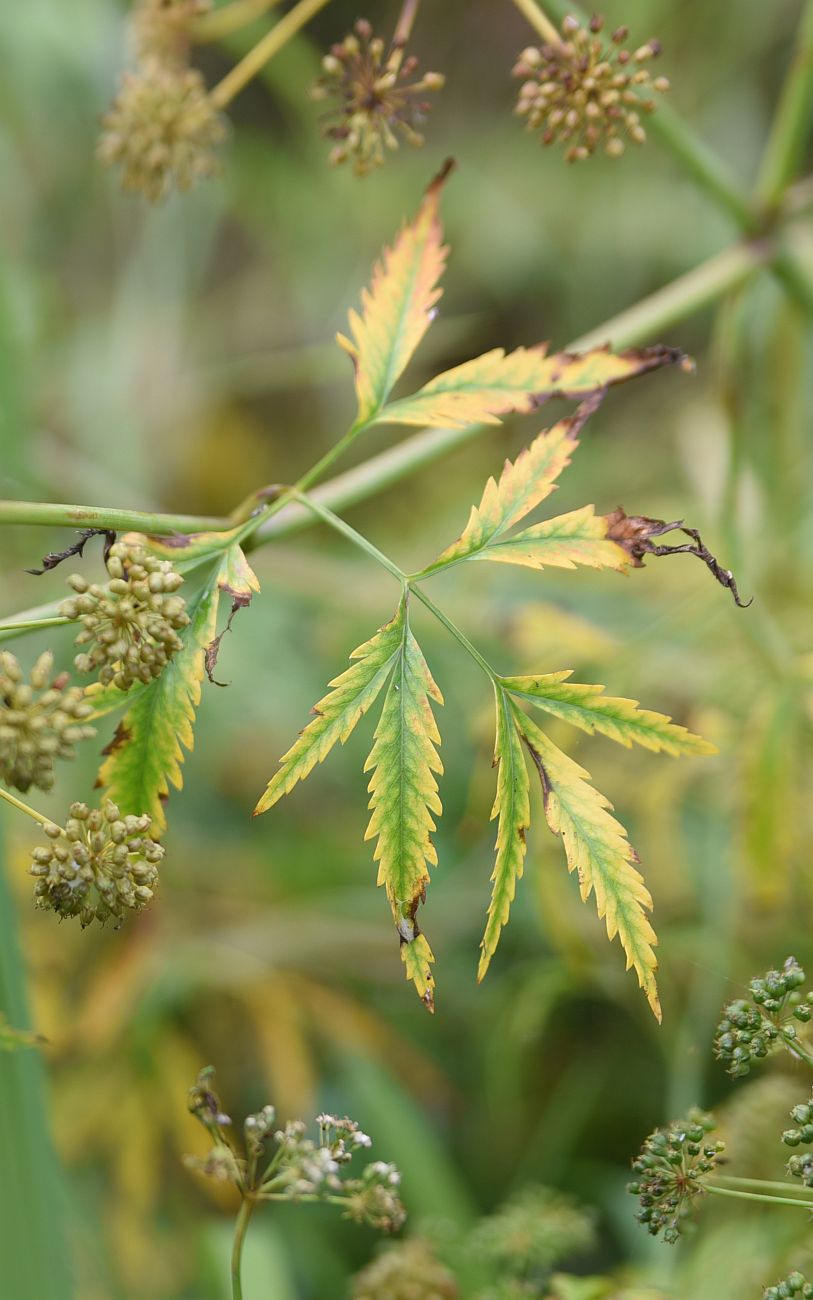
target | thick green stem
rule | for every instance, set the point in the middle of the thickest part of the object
(715, 1190)
(243, 72)
(229, 18)
(139, 521)
(791, 124)
(240, 1228)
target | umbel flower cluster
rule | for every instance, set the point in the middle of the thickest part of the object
(587, 92)
(409, 1270)
(131, 626)
(101, 865)
(801, 1166)
(751, 1028)
(795, 1284)
(283, 1163)
(40, 720)
(671, 1168)
(162, 130)
(378, 99)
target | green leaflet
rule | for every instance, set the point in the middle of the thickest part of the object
(147, 751)
(337, 713)
(404, 795)
(597, 849)
(622, 720)
(512, 807)
(563, 542)
(398, 308)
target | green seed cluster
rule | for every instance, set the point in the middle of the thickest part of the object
(585, 92)
(801, 1166)
(162, 130)
(750, 1029)
(101, 865)
(40, 720)
(670, 1169)
(132, 624)
(795, 1284)
(531, 1233)
(377, 98)
(408, 1271)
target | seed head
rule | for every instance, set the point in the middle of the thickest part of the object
(587, 91)
(377, 98)
(162, 130)
(752, 1028)
(407, 1271)
(40, 720)
(795, 1284)
(132, 624)
(670, 1169)
(102, 865)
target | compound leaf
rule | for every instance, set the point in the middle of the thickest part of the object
(398, 308)
(337, 713)
(512, 808)
(586, 706)
(404, 795)
(598, 850)
(496, 383)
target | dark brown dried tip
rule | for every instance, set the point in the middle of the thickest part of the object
(634, 534)
(53, 558)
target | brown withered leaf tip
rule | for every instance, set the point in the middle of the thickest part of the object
(635, 532)
(53, 558)
(212, 650)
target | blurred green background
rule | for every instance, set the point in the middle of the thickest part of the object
(177, 358)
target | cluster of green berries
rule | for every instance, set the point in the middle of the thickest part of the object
(795, 1284)
(801, 1166)
(40, 720)
(378, 98)
(297, 1167)
(101, 865)
(751, 1028)
(132, 625)
(408, 1271)
(585, 92)
(162, 130)
(671, 1168)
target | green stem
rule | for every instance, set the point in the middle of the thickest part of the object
(24, 807)
(762, 1182)
(540, 21)
(456, 633)
(716, 1190)
(229, 18)
(243, 72)
(702, 164)
(240, 1228)
(31, 625)
(791, 123)
(793, 1045)
(333, 521)
(47, 512)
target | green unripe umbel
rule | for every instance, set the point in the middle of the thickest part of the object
(40, 721)
(131, 626)
(101, 865)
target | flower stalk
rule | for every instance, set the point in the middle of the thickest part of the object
(243, 72)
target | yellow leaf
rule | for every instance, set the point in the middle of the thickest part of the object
(398, 308)
(417, 957)
(512, 806)
(563, 542)
(597, 849)
(490, 386)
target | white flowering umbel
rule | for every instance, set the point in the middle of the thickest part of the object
(284, 1164)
